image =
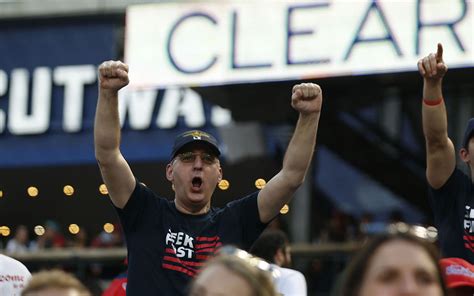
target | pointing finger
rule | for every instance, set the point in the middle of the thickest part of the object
(439, 53)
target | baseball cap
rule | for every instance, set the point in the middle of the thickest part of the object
(194, 136)
(468, 133)
(457, 272)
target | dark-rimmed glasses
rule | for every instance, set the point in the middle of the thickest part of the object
(190, 157)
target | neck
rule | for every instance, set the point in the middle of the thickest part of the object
(191, 210)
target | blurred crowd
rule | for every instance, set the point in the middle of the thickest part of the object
(340, 227)
(53, 238)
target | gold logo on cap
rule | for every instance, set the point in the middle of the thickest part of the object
(196, 135)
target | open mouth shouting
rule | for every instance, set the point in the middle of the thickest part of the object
(197, 183)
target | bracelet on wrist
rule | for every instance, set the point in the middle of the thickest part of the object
(433, 102)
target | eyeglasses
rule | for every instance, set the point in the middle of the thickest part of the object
(429, 233)
(190, 157)
(250, 259)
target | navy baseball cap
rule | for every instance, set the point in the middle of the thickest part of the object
(468, 133)
(194, 136)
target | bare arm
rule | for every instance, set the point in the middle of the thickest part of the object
(440, 153)
(307, 99)
(116, 173)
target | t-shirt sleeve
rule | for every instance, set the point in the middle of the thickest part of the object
(444, 198)
(246, 210)
(294, 284)
(140, 200)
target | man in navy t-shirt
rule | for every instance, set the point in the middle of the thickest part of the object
(168, 241)
(451, 191)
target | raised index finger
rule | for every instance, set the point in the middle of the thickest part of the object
(439, 53)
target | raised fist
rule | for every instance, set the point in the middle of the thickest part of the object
(113, 75)
(307, 98)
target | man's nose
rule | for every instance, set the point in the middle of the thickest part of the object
(197, 161)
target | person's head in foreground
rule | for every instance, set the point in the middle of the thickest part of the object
(233, 275)
(458, 276)
(393, 265)
(54, 283)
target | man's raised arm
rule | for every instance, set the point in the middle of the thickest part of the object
(116, 173)
(440, 152)
(307, 100)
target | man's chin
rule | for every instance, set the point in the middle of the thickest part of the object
(197, 198)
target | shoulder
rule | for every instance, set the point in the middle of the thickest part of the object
(455, 180)
(291, 282)
(248, 199)
(142, 191)
(8, 264)
(291, 273)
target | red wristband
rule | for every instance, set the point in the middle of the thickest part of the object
(433, 102)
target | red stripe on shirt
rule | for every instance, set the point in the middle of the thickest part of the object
(184, 262)
(214, 244)
(178, 268)
(170, 251)
(467, 246)
(468, 237)
(207, 239)
(471, 243)
(202, 257)
(207, 250)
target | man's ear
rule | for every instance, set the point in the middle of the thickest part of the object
(464, 155)
(221, 175)
(279, 257)
(169, 172)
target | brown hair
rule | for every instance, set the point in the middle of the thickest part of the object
(354, 273)
(56, 279)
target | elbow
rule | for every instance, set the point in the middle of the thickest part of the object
(100, 155)
(295, 181)
(436, 138)
(105, 156)
(299, 182)
(436, 143)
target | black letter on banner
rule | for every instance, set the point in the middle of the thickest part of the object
(170, 36)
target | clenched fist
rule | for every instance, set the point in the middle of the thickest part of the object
(113, 75)
(432, 66)
(307, 98)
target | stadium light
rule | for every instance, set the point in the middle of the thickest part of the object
(103, 189)
(224, 184)
(39, 230)
(68, 190)
(109, 227)
(33, 191)
(260, 183)
(74, 228)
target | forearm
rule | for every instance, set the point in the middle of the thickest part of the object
(432, 89)
(435, 123)
(300, 149)
(107, 125)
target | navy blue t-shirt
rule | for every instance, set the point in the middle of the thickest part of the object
(167, 247)
(453, 208)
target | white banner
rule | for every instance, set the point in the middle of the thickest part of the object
(225, 42)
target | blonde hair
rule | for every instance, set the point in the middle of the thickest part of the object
(54, 279)
(259, 280)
